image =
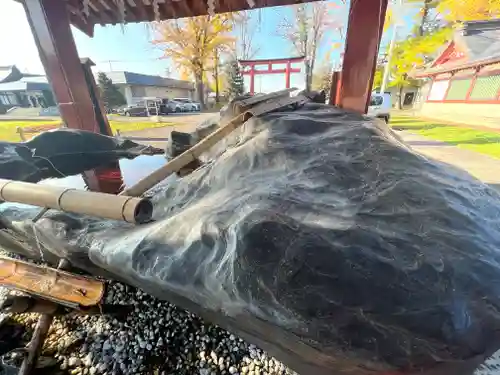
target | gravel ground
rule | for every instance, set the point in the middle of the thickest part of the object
(154, 338)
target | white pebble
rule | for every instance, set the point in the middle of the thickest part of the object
(74, 362)
(87, 361)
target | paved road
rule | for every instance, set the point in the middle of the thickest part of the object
(158, 136)
(171, 117)
(480, 166)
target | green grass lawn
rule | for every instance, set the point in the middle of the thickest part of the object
(8, 129)
(480, 141)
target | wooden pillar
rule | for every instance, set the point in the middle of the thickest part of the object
(335, 88)
(287, 74)
(50, 25)
(366, 21)
(252, 79)
(106, 179)
(98, 106)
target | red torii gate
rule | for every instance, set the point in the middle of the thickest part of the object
(252, 72)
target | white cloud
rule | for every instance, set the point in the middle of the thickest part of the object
(17, 45)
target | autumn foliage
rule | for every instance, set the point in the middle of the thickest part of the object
(469, 10)
(190, 43)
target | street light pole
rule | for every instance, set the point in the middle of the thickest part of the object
(387, 68)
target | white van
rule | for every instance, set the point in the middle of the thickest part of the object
(380, 106)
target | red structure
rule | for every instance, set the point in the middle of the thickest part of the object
(463, 83)
(252, 72)
(366, 22)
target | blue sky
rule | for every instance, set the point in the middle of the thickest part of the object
(128, 47)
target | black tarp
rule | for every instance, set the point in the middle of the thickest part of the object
(322, 238)
(64, 152)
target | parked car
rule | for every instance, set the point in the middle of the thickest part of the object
(151, 106)
(190, 104)
(380, 106)
(177, 106)
(190, 107)
(137, 109)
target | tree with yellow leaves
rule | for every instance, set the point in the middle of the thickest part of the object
(191, 43)
(412, 53)
(469, 10)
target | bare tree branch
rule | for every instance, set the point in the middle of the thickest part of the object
(306, 31)
(246, 28)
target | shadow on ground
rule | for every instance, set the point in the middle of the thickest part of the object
(415, 125)
(477, 141)
(429, 143)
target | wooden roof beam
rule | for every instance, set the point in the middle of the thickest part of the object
(199, 7)
(110, 9)
(147, 6)
(182, 9)
(133, 12)
(161, 10)
(107, 12)
(85, 27)
(104, 13)
(78, 19)
(137, 8)
(169, 10)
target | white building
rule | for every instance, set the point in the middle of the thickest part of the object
(135, 86)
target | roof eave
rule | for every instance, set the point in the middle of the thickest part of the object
(468, 65)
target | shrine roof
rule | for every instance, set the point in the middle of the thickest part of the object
(475, 44)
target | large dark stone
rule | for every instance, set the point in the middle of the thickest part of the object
(321, 237)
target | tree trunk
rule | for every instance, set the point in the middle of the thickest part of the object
(216, 76)
(199, 87)
(311, 66)
(400, 99)
(308, 75)
(425, 14)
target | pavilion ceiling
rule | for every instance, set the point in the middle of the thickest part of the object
(85, 14)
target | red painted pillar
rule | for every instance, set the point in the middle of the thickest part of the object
(335, 88)
(50, 25)
(366, 21)
(252, 79)
(287, 74)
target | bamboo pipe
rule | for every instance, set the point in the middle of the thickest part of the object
(129, 209)
(188, 156)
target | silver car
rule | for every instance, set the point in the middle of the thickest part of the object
(189, 104)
